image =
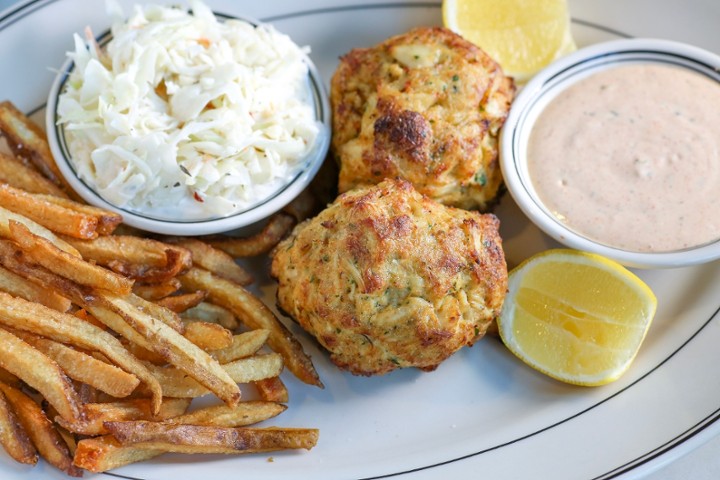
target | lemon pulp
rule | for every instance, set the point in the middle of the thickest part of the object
(576, 316)
(523, 36)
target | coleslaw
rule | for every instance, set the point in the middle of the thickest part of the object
(182, 116)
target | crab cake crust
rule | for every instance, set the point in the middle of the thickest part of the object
(386, 278)
(425, 106)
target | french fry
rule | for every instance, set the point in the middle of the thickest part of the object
(140, 258)
(243, 414)
(209, 439)
(85, 316)
(277, 227)
(209, 312)
(176, 349)
(182, 302)
(50, 215)
(96, 414)
(104, 453)
(31, 317)
(68, 438)
(5, 217)
(253, 313)
(44, 253)
(41, 431)
(16, 174)
(28, 141)
(175, 383)
(177, 262)
(87, 393)
(100, 454)
(107, 221)
(243, 345)
(168, 317)
(84, 368)
(272, 390)
(208, 336)
(156, 291)
(13, 437)
(214, 260)
(142, 353)
(303, 206)
(40, 372)
(9, 379)
(18, 286)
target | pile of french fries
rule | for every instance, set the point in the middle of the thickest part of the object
(106, 336)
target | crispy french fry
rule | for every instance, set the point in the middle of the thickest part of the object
(104, 453)
(18, 262)
(209, 312)
(17, 174)
(44, 253)
(142, 353)
(50, 215)
(277, 227)
(18, 286)
(87, 393)
(37, 229)
(41, 431)
(208, 336)
(243, 345)
(209, 439)
(107, 221)
(28, 141)
(168, 317)
(31, 317)
(243, 414)
(178, 261)
(253, 313)
(183, 302)
(214, 260)
(85, 316)
(13, 437)
(68, 438)
(9, 379)
(175, 348)
(272, 390)
(135, 257)
(40, 372)
(84, 368)
(100, 454)
(127, 248)
(303, 206)
(156, 291)
(175, 383)
(96, 414)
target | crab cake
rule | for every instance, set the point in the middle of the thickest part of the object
(425, 106)
(386, 278)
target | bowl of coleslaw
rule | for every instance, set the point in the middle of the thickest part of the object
(188, 122)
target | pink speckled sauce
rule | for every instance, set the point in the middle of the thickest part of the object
(630, 157)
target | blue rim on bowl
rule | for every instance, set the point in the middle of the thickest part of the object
(237, 220)
(547, 84)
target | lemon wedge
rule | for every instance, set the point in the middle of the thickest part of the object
(575, 316)
(523, 36)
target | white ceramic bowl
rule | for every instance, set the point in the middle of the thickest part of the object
(251, 215)
(547, 84)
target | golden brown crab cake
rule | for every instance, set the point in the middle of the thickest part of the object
(386, 278)
(425, 106)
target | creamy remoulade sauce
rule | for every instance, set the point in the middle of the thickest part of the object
(630, 157)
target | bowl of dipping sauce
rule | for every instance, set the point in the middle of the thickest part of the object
(188, 123)
(615, 149)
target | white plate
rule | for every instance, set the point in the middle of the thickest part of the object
(482, 413)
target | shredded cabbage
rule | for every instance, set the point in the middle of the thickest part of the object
(182, 116)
